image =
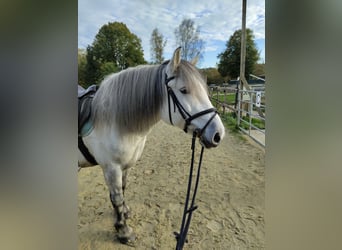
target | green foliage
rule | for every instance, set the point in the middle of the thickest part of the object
(259, 69)
(108, 68)
(157, 46)
(213, 76)
(256, 122)
(82, 64)
(92, 68)
(114, 48)
(229, 120)
(228, 98)
(229, 64)
(188, 37)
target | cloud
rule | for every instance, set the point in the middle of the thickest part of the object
(210, 48)
(217, 19)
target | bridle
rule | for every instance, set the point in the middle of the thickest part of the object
(183, 112)
(188, 210)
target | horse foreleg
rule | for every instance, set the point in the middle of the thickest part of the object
(125, 233)
(127, 211)
(114, 177)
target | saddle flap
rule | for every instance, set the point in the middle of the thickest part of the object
(85, 97)
(81, 92)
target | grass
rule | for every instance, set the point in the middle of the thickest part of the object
(260, 124)
(228, 98)
(229, 120)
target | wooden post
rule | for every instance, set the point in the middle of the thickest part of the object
(243, 44)
(217, 98)
(243, 81)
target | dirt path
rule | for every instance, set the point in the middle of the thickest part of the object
(230, 196)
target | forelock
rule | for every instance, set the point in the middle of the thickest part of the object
(191, 77)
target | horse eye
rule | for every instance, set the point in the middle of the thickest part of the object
(183, 91)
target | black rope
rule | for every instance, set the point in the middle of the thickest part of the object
(187, 214)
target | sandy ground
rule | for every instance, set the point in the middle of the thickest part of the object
(231, 196)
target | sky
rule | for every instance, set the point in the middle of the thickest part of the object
(216, 19)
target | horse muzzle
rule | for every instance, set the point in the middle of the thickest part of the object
(212, 136)
(211, 143)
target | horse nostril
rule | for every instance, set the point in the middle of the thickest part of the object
(216, 138)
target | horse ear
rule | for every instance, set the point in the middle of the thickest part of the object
(176, 59)
(194, 60)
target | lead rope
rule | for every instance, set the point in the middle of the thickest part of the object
(187, 214)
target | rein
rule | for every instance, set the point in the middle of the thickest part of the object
(187, 214)
(188, 210)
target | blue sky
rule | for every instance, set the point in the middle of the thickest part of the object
(217, 20)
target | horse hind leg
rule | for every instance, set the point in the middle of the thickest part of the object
(113, 176)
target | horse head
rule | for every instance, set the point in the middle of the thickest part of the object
(188, 106)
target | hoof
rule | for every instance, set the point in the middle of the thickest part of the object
(126, 235)
(127, 240)
(127, 215)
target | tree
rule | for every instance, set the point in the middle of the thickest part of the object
(82, 64)
(108, 68)
(157, 46)
(188, 37)
(229, 64)
(213, 76)
(259, 69)
(114, 48)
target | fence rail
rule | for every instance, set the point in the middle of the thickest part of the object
(248, 106)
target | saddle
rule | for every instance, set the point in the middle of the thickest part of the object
(85, 98)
